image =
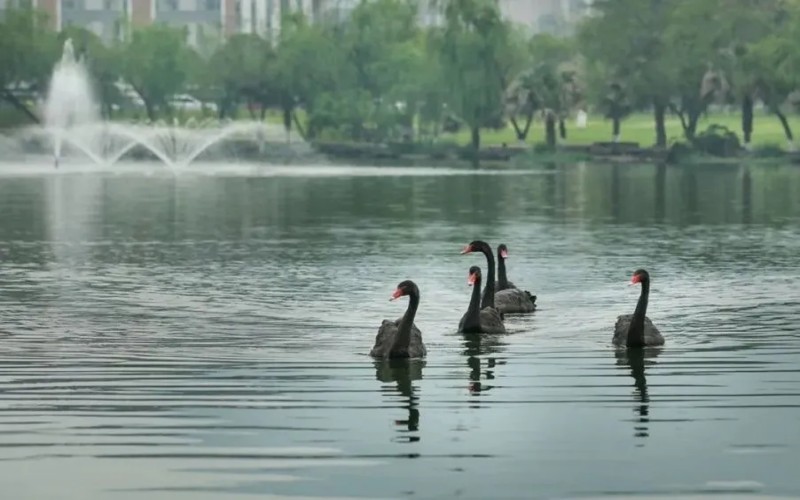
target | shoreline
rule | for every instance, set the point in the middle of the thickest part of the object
(605, 151)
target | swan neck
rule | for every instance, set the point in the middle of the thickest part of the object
(502, 279)
(473, 317)
(488, 292)
(636, 331)
(403, 338)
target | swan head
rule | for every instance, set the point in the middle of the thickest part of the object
(474, 275)
(502, 251)
(406, 287)
(639, 276)
(477, 246)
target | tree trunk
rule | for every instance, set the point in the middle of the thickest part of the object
(522, 132)
(517, 130)
(659, 112)
(747, 118)
(616, 125)
(12, 99)
(287, 121)
(550, 130)
(691, 127)
(476, 140)
(562, 129)
(299, 126)
(150, 109)
(787, 129)
(476, 145)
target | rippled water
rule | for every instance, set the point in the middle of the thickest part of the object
(205, 334)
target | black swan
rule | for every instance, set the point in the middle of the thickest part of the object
(401, 338)
(636, 330)
(508, 298)
(485, 249)
(477, 320)
(502, 282)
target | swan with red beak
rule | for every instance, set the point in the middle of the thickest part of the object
(401, 338)
(636, 330)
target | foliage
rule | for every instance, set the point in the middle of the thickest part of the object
(717, 140)
(477, 57)
(377, 74)
(154, 63)
(28, 50)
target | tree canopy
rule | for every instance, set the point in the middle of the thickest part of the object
(379, 74)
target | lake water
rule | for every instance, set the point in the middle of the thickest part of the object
(205, 335)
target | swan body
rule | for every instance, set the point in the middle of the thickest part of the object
(384, 342)
(401, 338)
(636, 330)
(508, 299)
(477, 320)
(514, 301)
(489, 321)
(651, 334)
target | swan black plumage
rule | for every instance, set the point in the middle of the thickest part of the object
(477, 319)
(401, 338)
(636, 330)
(508, 298)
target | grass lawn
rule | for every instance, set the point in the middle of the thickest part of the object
(639, 128)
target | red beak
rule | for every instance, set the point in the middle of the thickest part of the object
(635, 279)
(397, 294)
(467, 249)
(504, 254)
(471, 279)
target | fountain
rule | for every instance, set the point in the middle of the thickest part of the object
(72, 124)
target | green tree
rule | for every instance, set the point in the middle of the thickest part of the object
(695, 52)
(628, 38)
(776, 61)
(28, 51)
(245, 71)
(744, 23)
(476, 56)
(154, 64)
(309, 66)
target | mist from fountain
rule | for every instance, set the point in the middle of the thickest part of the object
(69, 105)
(72, 123)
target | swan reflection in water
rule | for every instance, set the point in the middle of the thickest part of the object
(635, 359)
(475, 346)
(403, 372)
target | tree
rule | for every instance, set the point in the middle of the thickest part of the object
(628, 38)
(308, 65)
(154, 63)
(777, 63)
(523, 100)
(547, 83)
(245, 69)
(694, 53)
(743, 23)
(475, 48)
(28, 51)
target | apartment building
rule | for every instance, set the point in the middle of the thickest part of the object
(557, 17)
(220, 18)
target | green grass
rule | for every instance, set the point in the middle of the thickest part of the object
(637, 128)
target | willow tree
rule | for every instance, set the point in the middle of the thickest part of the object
(476, 53)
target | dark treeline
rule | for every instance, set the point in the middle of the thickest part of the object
(379, 75)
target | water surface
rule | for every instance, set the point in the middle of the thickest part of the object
(204, 333)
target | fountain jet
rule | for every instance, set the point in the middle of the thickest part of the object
(73, 124)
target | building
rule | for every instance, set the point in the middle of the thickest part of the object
(557, 17)
(106, 18)
(222, 18)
